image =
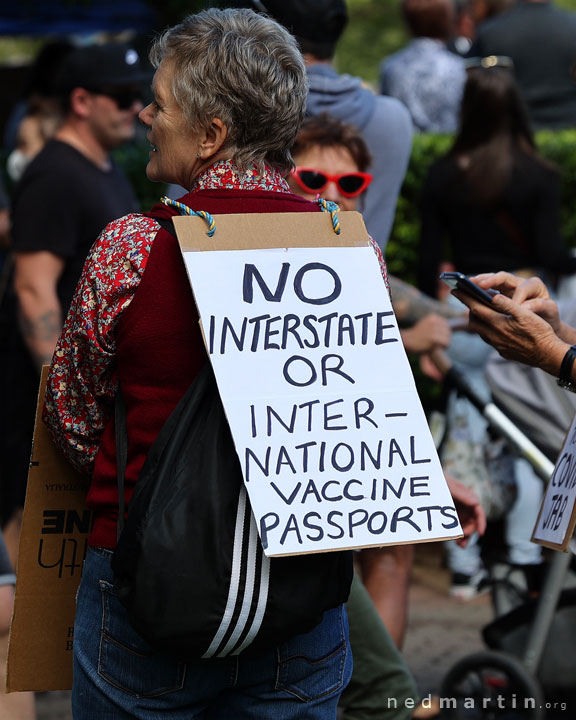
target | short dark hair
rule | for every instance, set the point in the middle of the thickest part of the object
(316, 24)
(327, 131)
(429, 18)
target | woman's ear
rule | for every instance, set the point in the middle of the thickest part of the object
(214, 139)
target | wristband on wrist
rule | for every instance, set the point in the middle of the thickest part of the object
(565, 378)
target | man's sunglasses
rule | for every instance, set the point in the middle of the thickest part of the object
(123, 97)
(315, 181)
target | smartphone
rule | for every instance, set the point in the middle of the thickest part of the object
(458, 281)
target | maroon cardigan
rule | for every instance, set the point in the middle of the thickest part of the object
(160, 349)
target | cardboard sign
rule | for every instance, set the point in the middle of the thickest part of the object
(53, 545)
(332, 439)
(557, 517)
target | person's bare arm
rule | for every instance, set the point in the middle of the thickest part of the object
(36, 277)
(567, 333)
(430, 332)
(4, 229)
(470, 513)
(410, 305)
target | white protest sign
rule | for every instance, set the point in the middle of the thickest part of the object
(333, 442)
(555, 524)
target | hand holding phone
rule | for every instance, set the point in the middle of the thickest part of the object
(459, 281)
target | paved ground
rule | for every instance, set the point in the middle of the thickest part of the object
(441, 632)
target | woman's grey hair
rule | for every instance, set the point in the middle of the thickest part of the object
(245, 69)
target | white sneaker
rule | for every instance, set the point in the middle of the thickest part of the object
(467, 587)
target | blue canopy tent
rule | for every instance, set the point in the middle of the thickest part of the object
(67, 17)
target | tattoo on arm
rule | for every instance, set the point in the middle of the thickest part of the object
(41, 335)
(43, 328)
(411, 305)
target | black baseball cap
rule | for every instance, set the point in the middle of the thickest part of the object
(109, 65)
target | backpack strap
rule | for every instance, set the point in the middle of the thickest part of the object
(166, 224)
(121, 431)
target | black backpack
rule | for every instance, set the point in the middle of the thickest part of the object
(189, 565)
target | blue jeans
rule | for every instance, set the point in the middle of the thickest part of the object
(116, 675)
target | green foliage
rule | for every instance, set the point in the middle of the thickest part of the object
(15, 50)
(402, 250)
(133, 159)
(375, 29)
(558, 148)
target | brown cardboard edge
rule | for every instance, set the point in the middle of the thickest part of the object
(192, 237)
(564, 545)
(10, 685)
(59, 678)
(549, 545)
(375, 545)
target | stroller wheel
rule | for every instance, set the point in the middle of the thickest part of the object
(491, 686)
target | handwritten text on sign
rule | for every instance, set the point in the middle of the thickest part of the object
(555, 524)
(333, 442)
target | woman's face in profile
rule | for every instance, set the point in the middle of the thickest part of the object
(333, 160)
(173, 156)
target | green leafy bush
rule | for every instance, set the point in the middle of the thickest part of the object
(133, 158)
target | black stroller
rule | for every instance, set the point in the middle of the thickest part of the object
(531, 660)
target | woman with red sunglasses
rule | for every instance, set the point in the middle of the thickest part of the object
(331, 162)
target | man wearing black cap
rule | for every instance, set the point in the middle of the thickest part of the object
(383, 122)
(68, 193)
(72, 189)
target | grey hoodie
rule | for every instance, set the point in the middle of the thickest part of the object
(386, 127)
